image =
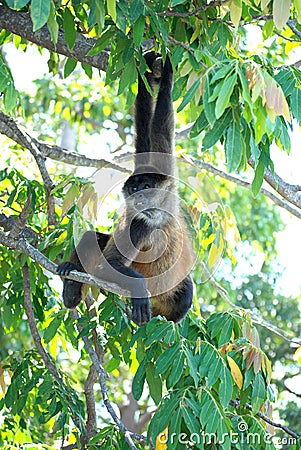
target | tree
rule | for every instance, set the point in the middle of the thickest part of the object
(208, 379)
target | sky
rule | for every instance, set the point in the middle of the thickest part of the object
(31, 65)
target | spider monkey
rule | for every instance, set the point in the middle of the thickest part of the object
(149, 253)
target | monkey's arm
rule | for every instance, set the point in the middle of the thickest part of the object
(84, 259)
(115, 266)
(162, 128)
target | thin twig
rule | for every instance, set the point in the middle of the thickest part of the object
(255, 319)
(20, 222)
(22, 138)
(174, 41)
(129, 436)
(278, 201)
(172, 13)
(9, 128)
(37, 338)
(236, 404)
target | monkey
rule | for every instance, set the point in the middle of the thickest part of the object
(150, 253)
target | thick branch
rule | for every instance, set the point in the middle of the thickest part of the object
(20, 23)
(288, 191)
(8, 223)
(22, 245)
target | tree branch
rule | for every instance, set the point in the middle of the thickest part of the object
(9, 128)
(288, 191)
(129, 436)
(278, 201)
(171, 13)
(37, 338)
(266, 419)
(20, 24)
(255, 319)
(22, 245)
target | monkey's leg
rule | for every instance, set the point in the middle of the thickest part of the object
(83, 259)
(181, 301)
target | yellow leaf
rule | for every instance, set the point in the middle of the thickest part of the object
(235, 12)
(61, 238)
(264, 3)
(235, 371)
(297, 4)
(69, 199)
(215, 252)
(161, 441)
(298, 355)
(281, 12)
(2, 382)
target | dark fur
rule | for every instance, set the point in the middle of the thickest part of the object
(151, 207)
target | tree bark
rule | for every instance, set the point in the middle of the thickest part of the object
(20, 23)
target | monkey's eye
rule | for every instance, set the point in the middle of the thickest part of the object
(147, 186)
(133, 189)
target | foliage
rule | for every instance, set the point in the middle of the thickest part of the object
(207, 377)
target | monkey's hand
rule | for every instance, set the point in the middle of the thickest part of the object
(141, 310)
(72, 292)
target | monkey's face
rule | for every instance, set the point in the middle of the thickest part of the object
(149, 194)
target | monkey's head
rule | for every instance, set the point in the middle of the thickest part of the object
(150, 195)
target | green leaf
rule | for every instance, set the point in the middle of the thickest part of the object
(69, 28)
(111, 7)
(52, 24)
(281, 12)
(157, 333)
(200, 124)
(296, 103)
(165, 360)
(191, 421)
(69, 67)
(39, 13)
(138, 381)
(258, 179)
(128, 77)
(100, 14)
(214, 370)
(177, 2)
(138, 30)
(136, 10)
(102, 42)
(209, 108)
(176, 370)
(189, 94)
(225, 387)
(154, 383)
(17, 4)
(233, 147)
(88, 70)
(213, 135)
(226, 331)
(223, 100)
(10, 97)
(175, 428)
(193, 363)
(51, 330)
(258, 393)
